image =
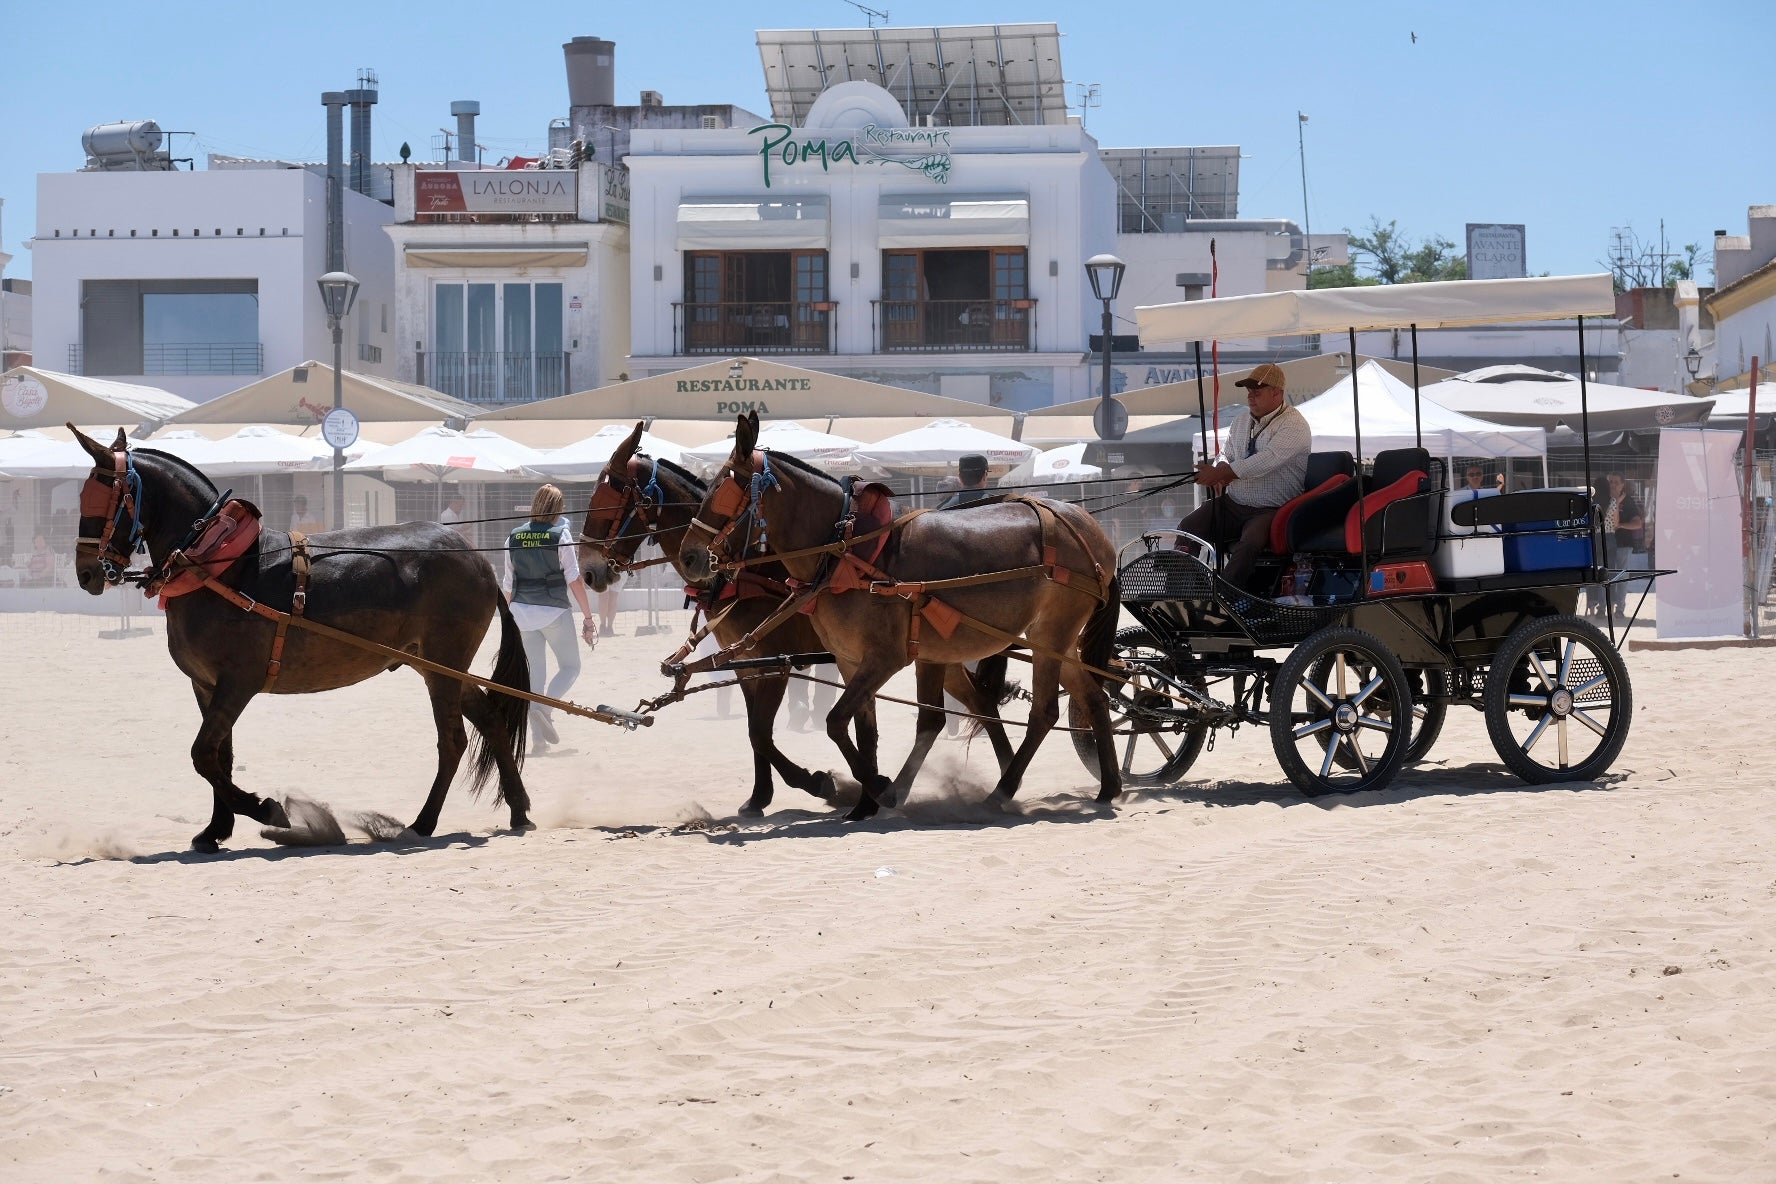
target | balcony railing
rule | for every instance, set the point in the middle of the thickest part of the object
(200, 357)
(487, 377)
(962, 326)
(755, 327)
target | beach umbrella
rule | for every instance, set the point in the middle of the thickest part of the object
(444, 454)
(1066, 463)
(254, 451)
(1525, 396)
(933, 449)
(824, 450)
(585, 459)
(32, 454)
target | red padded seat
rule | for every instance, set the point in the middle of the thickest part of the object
(1372, 504)
(1279, 525)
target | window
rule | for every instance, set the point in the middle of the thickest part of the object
(955, 299)
(755, 302)
(498, 343)
(143, 327)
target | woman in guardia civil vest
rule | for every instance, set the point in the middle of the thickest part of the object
(542, 571)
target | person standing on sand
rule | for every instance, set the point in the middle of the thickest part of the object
(542, 569)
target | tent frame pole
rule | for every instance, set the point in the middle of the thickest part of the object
(1357, 425)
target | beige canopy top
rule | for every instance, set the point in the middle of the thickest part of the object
(1307, 378)
(774, 390)
(34, 398)
(303, 394)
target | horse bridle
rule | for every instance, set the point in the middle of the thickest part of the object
(624, 499)
(112, 501)
(735, 494)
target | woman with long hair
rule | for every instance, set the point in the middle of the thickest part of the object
(542, 572)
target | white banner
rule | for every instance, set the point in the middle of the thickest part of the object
(1697, 529)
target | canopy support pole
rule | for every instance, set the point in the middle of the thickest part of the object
(1202, 410)
(1357, 424)
(1417, 420)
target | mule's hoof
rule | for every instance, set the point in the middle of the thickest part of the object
(752, 810)
(824, 787)
(520, 825)
(205, 845)
(275, 814)
(881, 790)
(865, 808)
(1106, 796)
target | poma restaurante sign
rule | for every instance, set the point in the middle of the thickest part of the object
(692, 386)
(921, 149)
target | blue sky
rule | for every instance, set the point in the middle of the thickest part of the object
(1573, 119)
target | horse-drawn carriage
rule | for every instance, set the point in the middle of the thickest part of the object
(1358, 641)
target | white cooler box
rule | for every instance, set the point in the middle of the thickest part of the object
(1473, 551)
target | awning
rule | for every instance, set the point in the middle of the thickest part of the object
(506, 255)
(754, 223)
(982, 221)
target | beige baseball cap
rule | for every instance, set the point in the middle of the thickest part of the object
(1266, 375)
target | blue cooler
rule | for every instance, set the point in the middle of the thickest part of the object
(1569, 546)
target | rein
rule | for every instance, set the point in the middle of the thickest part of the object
(632, 502)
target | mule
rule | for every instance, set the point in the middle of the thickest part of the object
(416, 587)
(1064, 606)
(638, 498)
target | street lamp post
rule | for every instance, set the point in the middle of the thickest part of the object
(1693, 363)
(338, 290)
(1105, 273)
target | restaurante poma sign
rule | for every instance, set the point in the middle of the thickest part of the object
(923, 149)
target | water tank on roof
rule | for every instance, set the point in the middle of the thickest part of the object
(132, 145)
(591, 72)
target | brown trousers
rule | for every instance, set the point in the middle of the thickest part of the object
(1222, 520)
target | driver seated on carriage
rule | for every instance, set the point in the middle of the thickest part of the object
(1263, 466)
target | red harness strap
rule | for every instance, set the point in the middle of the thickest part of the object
(298, 604)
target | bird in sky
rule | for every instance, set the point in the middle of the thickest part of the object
(1415, 39)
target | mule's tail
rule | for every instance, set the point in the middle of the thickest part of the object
(990, 684)
(1097, 644)
(510, 669)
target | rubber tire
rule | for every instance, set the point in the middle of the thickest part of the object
(1134, 637)
(1299, 664)
(1495, 700)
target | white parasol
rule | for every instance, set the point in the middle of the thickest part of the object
(445, 454)
(933, 449)
(255, 451)
(1063, 464)
(822, 449)
(585, 459)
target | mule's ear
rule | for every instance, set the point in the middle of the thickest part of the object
(98, 451)
(746, 433)
(122, 442)
(621, 454)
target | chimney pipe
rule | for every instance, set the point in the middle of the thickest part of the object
(361, 100)
(465, 111)
(335, 102)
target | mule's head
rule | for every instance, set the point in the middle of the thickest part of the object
(716, 520)
(617, 517)
(109, 521)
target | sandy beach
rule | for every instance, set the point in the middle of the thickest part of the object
(1461, 978)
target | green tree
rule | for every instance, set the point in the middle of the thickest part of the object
(1390, 257)
(1341, 275)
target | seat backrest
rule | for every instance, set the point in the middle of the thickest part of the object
(1408, 536)
(1279, 524)
(1323, 466)
(1394, 463)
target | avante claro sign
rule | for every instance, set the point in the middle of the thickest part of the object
(921, 149)
(530, 191)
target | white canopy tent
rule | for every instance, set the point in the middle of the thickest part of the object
(1066, 463)
(585, 459)
(932, 450)
(255, 450)
(31, 397)
(36, 455)
(1525, 396)
(1387, 422)
(444, 454)
(830, 452)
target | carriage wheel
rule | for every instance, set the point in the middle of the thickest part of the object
(1427, 718)
(1557, 701)
(1151, 754)
(1334, 697)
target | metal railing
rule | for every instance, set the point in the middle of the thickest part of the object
(198, 357)
(939, 326)
(755, 327)
(490, 377)
(369, 353)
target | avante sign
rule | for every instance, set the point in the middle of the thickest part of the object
(921, 149)
(531, 191)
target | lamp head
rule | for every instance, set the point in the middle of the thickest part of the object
(1105, 273)
(338, 290)
(1693, 361)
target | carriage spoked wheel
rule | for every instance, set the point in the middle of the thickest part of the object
(1152, 752)
(1427, 718)
(1332, 708)
(1557, 701)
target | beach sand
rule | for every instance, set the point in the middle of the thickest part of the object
(1460, 978)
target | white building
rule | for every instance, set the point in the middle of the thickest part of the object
(199, 282)
(946, 259)
(1744, 300)
(15, 312)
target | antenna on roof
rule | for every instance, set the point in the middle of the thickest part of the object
(870, 15)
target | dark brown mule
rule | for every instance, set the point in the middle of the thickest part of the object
(1062, 622)
(415, 587)
(639, 498)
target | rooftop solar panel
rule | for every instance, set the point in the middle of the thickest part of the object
(948, 76)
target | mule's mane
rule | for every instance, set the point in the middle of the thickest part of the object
(178, 463)
(796, 462)
(683, 474)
